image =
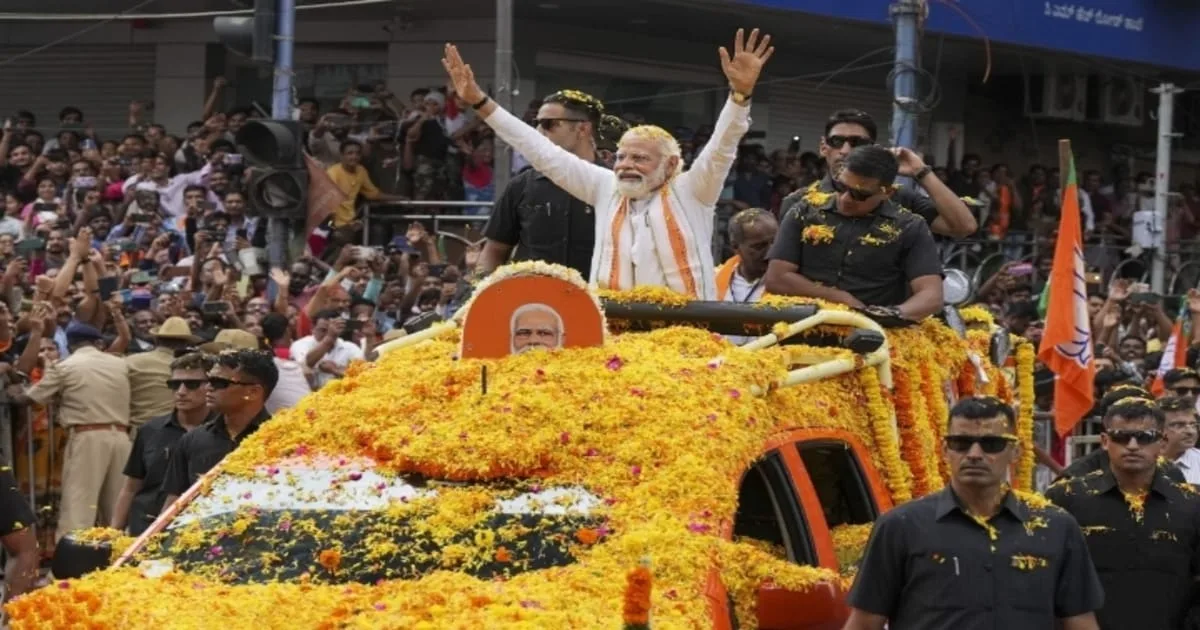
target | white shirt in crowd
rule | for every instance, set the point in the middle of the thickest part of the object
(291, 387)
(1189, 463)
(742, 291)
(341, 355)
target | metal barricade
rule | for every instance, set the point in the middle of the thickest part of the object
(1084, 443)
(380, 212)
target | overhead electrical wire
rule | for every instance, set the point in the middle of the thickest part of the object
(129, 14)
(70, 36)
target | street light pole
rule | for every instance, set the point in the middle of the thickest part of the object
(279, 232)
(502, 169)
(1162, 181)
(906, 14)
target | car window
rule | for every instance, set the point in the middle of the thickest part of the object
(769, 513)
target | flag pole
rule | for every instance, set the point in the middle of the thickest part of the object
(1064, 159)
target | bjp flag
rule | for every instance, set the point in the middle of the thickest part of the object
(1067, 341)
(1174, 354)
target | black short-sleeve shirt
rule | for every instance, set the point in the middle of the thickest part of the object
(152, 449)
(873, 257)
(15, 512)
(929, 565)
(544, 222)
(201, 449)
(1147, 560)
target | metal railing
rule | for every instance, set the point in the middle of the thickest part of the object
(380, 212)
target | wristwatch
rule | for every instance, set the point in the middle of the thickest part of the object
(481, 103)
(738, 97)
(919, 175)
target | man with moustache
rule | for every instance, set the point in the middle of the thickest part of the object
(536, 326)
(1142, 529)
(976, 554)
(654, 223)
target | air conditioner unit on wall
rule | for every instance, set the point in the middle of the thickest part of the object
(1122, 101)
(1056, 95)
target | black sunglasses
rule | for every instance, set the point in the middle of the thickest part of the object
(191, 383)
(990, 444)
(1185, 391)
(551, 123)
(1123, 437)
(836, 142)
(217, 382)
(856, 194)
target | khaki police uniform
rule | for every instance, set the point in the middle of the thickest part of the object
(90, 390)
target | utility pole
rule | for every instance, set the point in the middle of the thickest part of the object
(281, 96)
(502, 169)
(907, 16)
(1162, 181)
(280, 233)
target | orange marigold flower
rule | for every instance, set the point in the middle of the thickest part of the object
(331, 559)
(503, 554)
(587, 535)
(637, 596)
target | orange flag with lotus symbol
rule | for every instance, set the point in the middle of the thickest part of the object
(1067, 347)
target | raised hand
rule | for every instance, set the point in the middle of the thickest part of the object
(463, 77)
(743, 68)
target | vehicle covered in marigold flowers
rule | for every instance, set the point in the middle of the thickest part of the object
(433, 490)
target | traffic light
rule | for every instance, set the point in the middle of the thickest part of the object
(252, 37)
(276, 178)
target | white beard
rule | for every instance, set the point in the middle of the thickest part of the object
(644, 187)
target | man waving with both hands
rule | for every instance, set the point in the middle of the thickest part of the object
(654, 222)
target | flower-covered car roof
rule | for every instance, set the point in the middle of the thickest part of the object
(605, 457)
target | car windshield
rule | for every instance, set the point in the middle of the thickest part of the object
(334, 526)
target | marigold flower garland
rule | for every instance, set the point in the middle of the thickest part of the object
(636, 611)
(912, 442)
(895, 470)
(1025, 399)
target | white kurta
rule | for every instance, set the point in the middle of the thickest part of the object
(639, 251)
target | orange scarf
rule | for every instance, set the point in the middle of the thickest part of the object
(679, 250)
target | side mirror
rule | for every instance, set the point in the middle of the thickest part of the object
(75, 557)
(956, 287)
(822, 607)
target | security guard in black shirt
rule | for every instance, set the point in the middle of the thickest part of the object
(1142, 529)
(848, 129)
(545, 222)
(856, 247)
(976, 555)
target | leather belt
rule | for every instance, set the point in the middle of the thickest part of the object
(83, 428)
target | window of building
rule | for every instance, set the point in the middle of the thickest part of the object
(840, 482)
(769, 511)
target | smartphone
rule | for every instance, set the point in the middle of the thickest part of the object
(794, 145)
(140, 277)
(208, 206)
(1145, 298)
(215, 307)
(1022, 269)
(88, 144)
(127, 245)
(360, 102)
(30, 245)
(42, 206)
(233, 158)
(436, 270)
(126, 295)
(84, 182)
(108, 285)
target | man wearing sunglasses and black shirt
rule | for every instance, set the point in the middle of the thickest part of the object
(1142, 529)
(1182, 382)
(976, 555)
(855, 247)
(239, 385)
(848, 129)
(536, 216)
(142, 495)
